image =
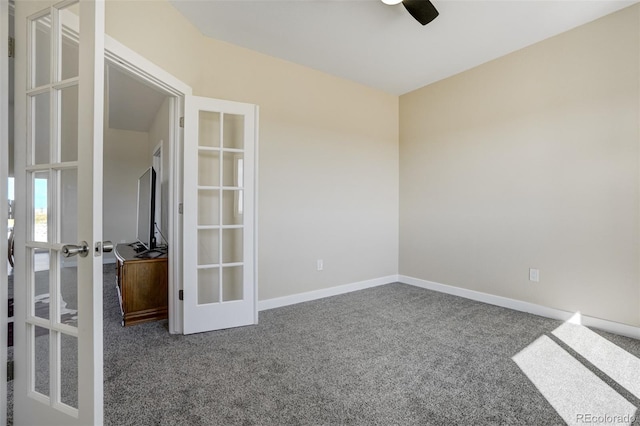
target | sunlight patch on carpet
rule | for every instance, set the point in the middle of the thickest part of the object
(576, 393)
(609, 358)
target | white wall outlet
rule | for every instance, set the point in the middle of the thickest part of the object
(534, 275)
(320, 265)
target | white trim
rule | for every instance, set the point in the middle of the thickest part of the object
(612, 327)
(106, 260)
(157, 150)
(90, 129)
(176, 109)
(279, 302)
(117, 53)
(256, 156)
(518, 305)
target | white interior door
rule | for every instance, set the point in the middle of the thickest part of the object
(58, 115)
(220, 142)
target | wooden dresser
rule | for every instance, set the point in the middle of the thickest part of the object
(141, 283)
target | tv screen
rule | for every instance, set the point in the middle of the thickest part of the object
(146, 208)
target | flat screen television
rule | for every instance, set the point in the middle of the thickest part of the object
(147, 209)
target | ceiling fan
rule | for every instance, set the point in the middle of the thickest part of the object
(422, 10)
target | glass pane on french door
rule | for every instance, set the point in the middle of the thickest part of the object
(52, 146)
(220, 207)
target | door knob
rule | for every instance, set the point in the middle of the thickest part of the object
(107, 246)
(70, 250)
(103, 247)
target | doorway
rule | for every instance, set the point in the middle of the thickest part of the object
(164, 93)
(137, 124)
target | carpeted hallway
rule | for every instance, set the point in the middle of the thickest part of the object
(394, 354)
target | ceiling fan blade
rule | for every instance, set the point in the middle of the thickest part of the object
(422, 10)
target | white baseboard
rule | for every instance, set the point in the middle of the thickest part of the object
(518, 305)
(278, 302)
(505, 302)
(73, 263)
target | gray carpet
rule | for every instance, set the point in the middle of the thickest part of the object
(69, 292)
(394, 354)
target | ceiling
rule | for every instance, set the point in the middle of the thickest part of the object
(382, 46)
(131, 104)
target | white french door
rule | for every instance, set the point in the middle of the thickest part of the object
(59, 113)
(220, 143)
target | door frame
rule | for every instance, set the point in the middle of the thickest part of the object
(120, 56)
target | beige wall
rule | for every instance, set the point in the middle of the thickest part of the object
(527, 161)
(126, 156)
(531, 160)
(328, 174)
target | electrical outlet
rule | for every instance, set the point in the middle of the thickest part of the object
(534, 275)
(320, 265)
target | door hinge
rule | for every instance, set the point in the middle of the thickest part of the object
(180, 294)
(180, 209)
(12, 47)
(181, 121)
